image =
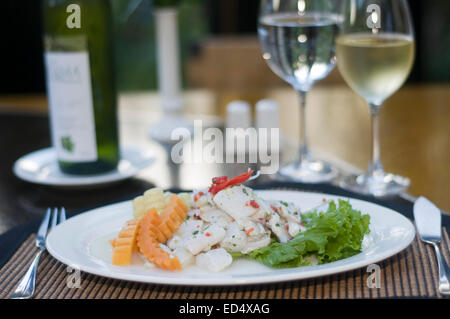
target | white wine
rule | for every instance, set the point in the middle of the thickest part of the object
(81, 88)
(299, 48)
(375, 65)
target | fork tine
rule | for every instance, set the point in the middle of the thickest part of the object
(54, 218)
(42, 232)
(62, 215)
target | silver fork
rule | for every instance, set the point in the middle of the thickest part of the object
(26, 287)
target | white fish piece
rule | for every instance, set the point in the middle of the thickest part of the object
(279, 228)
(234, 201)
(204, 240)
(175, 242)
(214, 260)
(264, 212)
(216, 216)
(196, 244)
(165, 248)
(201, 198)
(210, 197)
(235, 239)
(193, 213)
(251, 227)
(287, 211)
(293, 228)
(256, 244)
(207, 207)
(185, 257)
(189, 226)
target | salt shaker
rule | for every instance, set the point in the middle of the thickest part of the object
(267, 114)
(267, 118)
(238, 115)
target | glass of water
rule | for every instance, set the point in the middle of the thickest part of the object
(375, 54)
(298, 43)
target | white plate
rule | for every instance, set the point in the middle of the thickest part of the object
(82, 242)
(41, 167)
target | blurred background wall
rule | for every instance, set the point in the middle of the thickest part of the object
(220, 49)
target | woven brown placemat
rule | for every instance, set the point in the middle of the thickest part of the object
(411, 273)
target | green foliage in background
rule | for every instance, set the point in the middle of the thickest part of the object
(172, 3)
(134, 27)
(167, 3)
(435, 47)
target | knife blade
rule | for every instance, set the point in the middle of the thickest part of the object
(428, 219)
(428, 222)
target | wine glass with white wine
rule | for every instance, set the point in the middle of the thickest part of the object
(375, 54)
(298, 43)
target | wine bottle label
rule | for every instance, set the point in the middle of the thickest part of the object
(71, 106)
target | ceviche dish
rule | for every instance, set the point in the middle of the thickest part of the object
(211, 228)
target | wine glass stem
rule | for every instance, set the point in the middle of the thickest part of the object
(375, 166)
(304, 151)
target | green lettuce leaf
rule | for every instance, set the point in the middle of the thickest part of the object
(332, 235)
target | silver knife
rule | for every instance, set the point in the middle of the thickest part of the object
(428, 223)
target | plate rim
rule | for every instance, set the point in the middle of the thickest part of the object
(79, 181)
(227, 281)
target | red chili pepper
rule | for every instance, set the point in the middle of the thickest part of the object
(207, 234)
(287, 227)
(254, 204)
(274, 208)
(219, 180)
(220, 183)
(249, 231)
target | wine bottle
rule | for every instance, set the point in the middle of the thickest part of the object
(79, 60)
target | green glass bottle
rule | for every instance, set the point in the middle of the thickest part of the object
(79, 59)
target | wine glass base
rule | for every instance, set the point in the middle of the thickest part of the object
(310, 172)
(379, 184)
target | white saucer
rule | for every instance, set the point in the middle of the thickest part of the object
(41, 167)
